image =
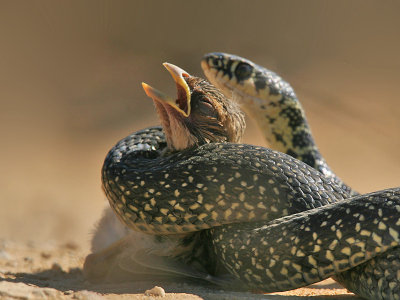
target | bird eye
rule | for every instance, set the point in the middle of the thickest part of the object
(206, 108)
(243, 71)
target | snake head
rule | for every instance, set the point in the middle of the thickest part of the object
(200, 113)
(251, 83)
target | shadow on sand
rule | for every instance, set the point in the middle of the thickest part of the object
(69, 282)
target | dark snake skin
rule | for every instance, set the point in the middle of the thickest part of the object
(274, 222)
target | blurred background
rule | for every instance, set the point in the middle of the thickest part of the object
(70, 75)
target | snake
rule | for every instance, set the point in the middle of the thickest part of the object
(273, 221)
(271, 102)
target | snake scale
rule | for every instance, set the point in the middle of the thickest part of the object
(273, 222)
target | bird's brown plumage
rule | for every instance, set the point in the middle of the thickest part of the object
(200, 114)
(213, 117)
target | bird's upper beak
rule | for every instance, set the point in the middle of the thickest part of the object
(182, 103)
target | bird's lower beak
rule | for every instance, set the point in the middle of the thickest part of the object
(182, 103)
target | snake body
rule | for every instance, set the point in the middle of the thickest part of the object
(275, 108)
(269, 103)
(274, 222)
(228, 183)
(272, 103)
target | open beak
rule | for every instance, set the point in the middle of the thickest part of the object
(182, 103)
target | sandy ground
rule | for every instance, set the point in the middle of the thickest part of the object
(53, 271)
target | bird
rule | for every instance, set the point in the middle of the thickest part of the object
(272, 221)
(200, 114)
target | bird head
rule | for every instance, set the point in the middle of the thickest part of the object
(200, 113)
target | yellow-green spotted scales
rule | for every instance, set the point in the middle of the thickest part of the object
(272, 103)
(274, 222)
(275, 108)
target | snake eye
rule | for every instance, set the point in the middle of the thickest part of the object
(243, 71)
(215, 61)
